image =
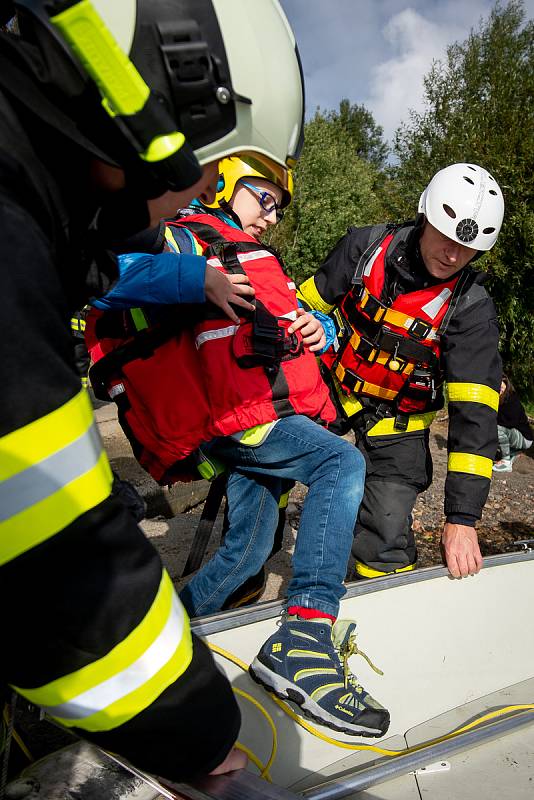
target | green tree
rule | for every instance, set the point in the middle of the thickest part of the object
(334, 188)
(479, 109)
(364, 133)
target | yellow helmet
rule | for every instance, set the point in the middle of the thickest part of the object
(251, 165)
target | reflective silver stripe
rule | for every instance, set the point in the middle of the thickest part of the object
(218, 333)
(243, 257)
(432, 308)
(291, 315)
(48, 476)
(369, 265)
(128, 680)
(119, 388)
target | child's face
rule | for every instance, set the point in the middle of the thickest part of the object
(503, 387)
(246, 204)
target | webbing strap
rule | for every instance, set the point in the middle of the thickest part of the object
(205, 526)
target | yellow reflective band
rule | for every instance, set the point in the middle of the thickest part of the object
(255, 436)
(43, 437)
(44, 519)
(139, 319)
(473, 393)
(470, 464)
(308, 292)
(77, 324)
(130, 677)
(368, 572)
(163, 146)
(120, 83)
(349, 403)
(416, 422)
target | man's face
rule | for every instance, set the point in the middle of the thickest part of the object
(443, 257)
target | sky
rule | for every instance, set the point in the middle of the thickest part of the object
(376, 52)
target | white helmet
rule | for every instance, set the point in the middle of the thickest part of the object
(215, 77)
(464, 202)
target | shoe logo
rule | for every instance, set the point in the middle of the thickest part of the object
(276, 647)
(344, 710)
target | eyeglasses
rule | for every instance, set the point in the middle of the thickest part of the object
(266, 201)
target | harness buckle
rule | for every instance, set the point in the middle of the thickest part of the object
(419, 329)
(352, 381)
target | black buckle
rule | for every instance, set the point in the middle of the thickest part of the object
(365, 349)
(351, 380)
(401, 422)
(186, 55)
(419, 329)
(389, 340)
(357, 289)
(372, 307)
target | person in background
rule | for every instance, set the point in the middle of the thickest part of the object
(513, 428)
(410, 313)
(100, 121)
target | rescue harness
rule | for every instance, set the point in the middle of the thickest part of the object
(390, 351)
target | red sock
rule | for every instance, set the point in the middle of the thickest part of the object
(308, 613)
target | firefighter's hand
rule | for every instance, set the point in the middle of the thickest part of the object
(235, 759)
(311, 330)
(461, 550)
(224, 289)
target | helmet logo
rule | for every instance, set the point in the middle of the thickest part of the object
(467, 230)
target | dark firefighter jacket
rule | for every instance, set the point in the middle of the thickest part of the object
(470, 362)
(93, 631)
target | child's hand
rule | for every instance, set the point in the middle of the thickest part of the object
(312, 331)
(224, 289)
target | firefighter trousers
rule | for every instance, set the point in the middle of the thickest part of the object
(398, 468)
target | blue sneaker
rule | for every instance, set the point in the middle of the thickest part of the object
(306, 661)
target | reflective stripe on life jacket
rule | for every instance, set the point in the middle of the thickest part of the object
(390, 352)
(178, 388)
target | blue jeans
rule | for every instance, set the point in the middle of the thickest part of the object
(334, 471)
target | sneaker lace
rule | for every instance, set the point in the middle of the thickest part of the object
(349, 649)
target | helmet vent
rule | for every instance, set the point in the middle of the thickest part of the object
(488, 230)
(492, 191)
(470, 167)
(469, 180)
(449, 211)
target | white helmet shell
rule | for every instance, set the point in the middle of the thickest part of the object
(465, 203)
(264, 68)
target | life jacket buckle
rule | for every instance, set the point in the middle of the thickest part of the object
(419, 329)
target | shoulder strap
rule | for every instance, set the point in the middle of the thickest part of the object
(464, 282)
(376, 235)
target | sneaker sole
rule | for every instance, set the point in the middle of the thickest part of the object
(286, 690)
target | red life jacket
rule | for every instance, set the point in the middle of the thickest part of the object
(215, 378)
(390, 352)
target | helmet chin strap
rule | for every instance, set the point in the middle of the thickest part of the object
(225, 206)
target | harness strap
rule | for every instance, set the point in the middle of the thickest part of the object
(205, 526)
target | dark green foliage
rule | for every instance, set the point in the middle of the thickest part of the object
(334, 188)
(480, 109)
